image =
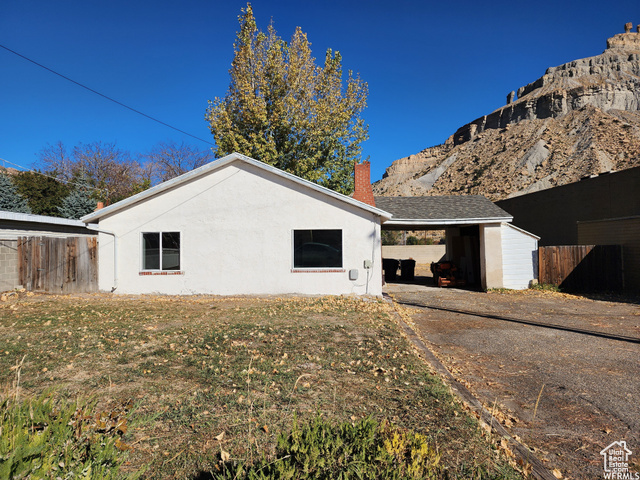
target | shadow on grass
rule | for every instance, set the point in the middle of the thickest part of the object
(202, 476)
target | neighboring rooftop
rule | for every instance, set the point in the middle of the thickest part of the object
(28, 217)
(14, 225)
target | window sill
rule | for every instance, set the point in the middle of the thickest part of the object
(318, 270)
(164, 272)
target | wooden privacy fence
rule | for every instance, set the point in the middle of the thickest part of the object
(585, 268)
(58, 265)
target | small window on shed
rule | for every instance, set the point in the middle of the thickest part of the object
(161, 251)
(317, 249)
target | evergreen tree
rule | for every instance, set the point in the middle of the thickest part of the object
(10, 199)
(79, 202)
(285, 110)
(44, 193)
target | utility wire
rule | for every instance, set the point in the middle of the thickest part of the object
(105, 96)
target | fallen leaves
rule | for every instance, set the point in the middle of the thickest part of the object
(120, 445)
(504, 446)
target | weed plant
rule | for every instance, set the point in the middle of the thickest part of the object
(366, 449)
(546, 287)
(362, 449)
(48, 438)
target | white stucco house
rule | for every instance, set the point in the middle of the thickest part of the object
(239, 226)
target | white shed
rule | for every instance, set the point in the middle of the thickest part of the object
(519, 257)
(239, 226)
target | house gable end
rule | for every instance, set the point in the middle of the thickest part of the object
(262, 170)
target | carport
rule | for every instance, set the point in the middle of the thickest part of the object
(473, 228)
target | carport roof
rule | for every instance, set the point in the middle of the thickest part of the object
(441, 210)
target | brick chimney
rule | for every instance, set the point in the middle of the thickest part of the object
(362, 181)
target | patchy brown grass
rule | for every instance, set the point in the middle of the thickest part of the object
(212, 375)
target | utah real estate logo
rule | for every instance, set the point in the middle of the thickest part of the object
(616, 462)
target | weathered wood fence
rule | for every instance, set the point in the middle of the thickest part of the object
(583, 268)
(58, 265)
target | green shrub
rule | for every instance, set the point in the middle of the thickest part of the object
(362, 450)
(413, 240)
(48, 438)
(545, 287)
(390, 237)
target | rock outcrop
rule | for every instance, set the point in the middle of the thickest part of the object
(581, 118)
(607, 81)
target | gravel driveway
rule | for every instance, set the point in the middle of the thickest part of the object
(590, 385)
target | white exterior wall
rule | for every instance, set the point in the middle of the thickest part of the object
(422, 254)
(519, 257)
(491, 256)
(236, 225)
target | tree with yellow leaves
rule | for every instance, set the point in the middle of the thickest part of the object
(285, 110)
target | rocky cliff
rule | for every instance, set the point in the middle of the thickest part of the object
(579, 119)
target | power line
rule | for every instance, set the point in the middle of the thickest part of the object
(107, 97)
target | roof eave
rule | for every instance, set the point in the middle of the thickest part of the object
(29, 217)
(523, 231)
(446, 221)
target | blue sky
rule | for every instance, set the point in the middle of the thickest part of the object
(431, 66)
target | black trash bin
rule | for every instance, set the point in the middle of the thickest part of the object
(390, 267)
(408, 269)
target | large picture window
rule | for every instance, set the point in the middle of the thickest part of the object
(161, 251)
(317, 249)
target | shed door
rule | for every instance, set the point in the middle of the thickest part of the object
(519, 258)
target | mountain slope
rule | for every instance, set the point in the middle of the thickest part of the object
(581, 118)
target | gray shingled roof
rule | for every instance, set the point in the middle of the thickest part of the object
(445, 207)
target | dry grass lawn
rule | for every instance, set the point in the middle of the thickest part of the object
(210, 375)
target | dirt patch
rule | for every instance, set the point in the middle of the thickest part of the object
(587, 387)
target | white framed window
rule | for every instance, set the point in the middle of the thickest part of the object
(317, 248)
(161, 251)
